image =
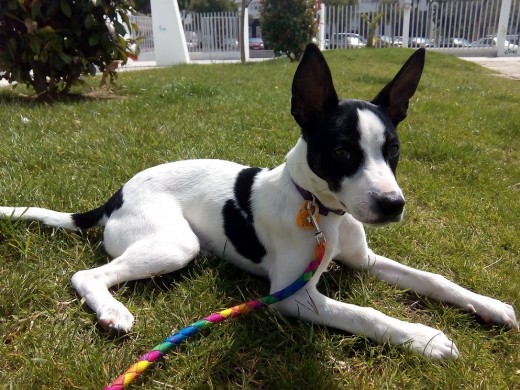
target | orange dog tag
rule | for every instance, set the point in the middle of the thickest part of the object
(302, 218)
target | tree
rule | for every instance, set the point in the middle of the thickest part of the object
(211, 5)
(340, 2)
(372, 25)
(50, 44)
(144, 6)
(288, 25)
(193, 5)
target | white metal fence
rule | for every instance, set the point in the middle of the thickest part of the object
(469, 25)
(348, 26)
(145, 32)
(208, 32)
(211, 33)
(461, 24)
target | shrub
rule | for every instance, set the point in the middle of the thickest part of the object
(50, 44)
(288, 25)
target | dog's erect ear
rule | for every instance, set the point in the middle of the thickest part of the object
(313, 92)
(396, 95)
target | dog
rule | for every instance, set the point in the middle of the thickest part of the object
(344, 163)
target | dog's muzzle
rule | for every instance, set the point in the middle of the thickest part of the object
(389, 207)
(379, 209)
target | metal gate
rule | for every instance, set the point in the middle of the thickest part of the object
(472, 25)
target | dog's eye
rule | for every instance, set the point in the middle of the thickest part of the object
(342, 153)
(394, 151)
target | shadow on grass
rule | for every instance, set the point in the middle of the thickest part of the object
(257, 351)
(11, 96)
(264, 349)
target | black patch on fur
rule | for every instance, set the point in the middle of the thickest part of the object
(238, 218)
(338, 131)
(91, 218)
(333, 149)
(391, 150)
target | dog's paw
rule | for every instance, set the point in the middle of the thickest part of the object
(493, 311)
(430, 342)
(115, 317)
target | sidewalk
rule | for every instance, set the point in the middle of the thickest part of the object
(141, 65)
(508, 67)
(138, 65)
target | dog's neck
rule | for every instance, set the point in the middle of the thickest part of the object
(302, 175)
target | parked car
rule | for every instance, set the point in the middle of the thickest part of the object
(492, 42)
(420, 42)
(453, 42)
(256, 44)
(397, 41)
(192, 40)
(230, 44)
(513, 39)
(347, 40)
(326, 43)
(389, 41)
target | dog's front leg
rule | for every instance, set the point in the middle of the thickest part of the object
(354, 252)
(310, 305)
(439, 288)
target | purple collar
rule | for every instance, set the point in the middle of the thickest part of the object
(324, 210)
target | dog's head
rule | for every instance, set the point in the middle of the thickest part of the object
(351, 145)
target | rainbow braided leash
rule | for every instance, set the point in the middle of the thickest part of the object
(134, 371)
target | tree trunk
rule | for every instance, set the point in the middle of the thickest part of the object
(39, 80)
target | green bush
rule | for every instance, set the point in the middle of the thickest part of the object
(50, 44)
(288, 25)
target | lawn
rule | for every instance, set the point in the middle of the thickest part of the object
(460, 171)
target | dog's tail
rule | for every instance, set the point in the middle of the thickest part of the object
(69, 221)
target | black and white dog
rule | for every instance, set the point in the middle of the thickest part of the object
(346, 158)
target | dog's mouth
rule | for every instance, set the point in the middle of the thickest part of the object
(382, 223)
(372, 218)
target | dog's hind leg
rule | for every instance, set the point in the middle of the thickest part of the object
(150, 255)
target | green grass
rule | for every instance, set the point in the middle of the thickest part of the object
(460, 171)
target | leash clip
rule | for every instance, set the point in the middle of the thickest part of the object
(312, 210)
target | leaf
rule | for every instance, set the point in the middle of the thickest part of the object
(30, 25)
(51, 9)
(135, 28)
(65, 8)
(12, 5)
(65, 57)
(12, 47)
(93, 40)
(35, 8)
(47, 29)
(44, 56)
(124, 16)
(68, 42)
(35, 44)
(89, 21)
(91, 69)
(106, 40)
(119, 28)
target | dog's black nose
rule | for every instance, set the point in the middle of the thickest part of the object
(390, 205)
